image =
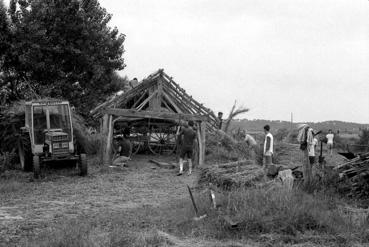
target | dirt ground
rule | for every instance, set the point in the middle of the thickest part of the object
(28, 208)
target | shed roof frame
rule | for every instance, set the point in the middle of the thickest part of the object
(156, 97)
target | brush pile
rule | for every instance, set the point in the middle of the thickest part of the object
(357, 173)
(230, 175)
(222, 148)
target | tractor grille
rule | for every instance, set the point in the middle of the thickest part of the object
(60, 152)
(60, 138)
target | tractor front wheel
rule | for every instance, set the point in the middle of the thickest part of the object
(36, 166)
(83, 165)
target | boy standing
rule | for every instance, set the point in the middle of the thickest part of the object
(187, 136)
(268, 146)
(330, 138)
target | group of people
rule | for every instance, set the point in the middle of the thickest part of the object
(307, 138)
(186, 136)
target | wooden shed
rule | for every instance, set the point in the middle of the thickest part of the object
(154, 109)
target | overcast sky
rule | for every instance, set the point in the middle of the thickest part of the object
(309, 57)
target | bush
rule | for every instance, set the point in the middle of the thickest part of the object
(364, 137)
(221, 147)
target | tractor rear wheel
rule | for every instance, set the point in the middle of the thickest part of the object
(25, 152)
(36, 167)
(83, 165)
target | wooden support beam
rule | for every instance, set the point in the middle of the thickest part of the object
(166, 96)
(153, 94)
(152, 114)
(104, 132)
(203, 142)
(109, 140)
(184, 108)
(139, 99)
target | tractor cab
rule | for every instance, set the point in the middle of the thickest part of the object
(49, 122)
(48, 135)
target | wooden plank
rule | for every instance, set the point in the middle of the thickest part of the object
(151, 114)
(163, 164)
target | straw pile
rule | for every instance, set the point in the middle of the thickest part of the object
(233, 174)
(221, 148)
(357, 173)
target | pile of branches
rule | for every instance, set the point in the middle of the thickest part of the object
(222, 147)
(356, 171)
(231, 175)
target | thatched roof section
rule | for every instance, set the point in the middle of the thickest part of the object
(157, 93)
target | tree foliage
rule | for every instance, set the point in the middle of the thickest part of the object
(62, 49)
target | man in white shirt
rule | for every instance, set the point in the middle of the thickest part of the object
(330, 137)
(268, 146)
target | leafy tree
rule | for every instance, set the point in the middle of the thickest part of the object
(63, 49)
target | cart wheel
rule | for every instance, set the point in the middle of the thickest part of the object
(36, 167)
(162, 139)
(83, 165)
(136, 146)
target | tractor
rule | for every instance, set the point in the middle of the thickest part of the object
(47, 137)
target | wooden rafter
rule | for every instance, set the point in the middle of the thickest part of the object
(155, 115)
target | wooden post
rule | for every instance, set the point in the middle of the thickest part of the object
(109, 139)
(306, 170)
(107, 134)
(202, 143)
(198, 146)
(104, 134)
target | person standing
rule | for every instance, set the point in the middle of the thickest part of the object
(268, 147)
(306, 139)
(187, 136)
(311, 144)
(330, 137)
(251, 143)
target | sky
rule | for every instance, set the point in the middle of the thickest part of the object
(308, 57)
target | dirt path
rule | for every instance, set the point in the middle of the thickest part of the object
(30, 207)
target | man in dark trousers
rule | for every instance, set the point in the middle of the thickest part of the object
(187, 135)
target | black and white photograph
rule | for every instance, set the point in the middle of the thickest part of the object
(189, 123)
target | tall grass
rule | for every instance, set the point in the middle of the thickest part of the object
(289, 216)
(286, 214)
